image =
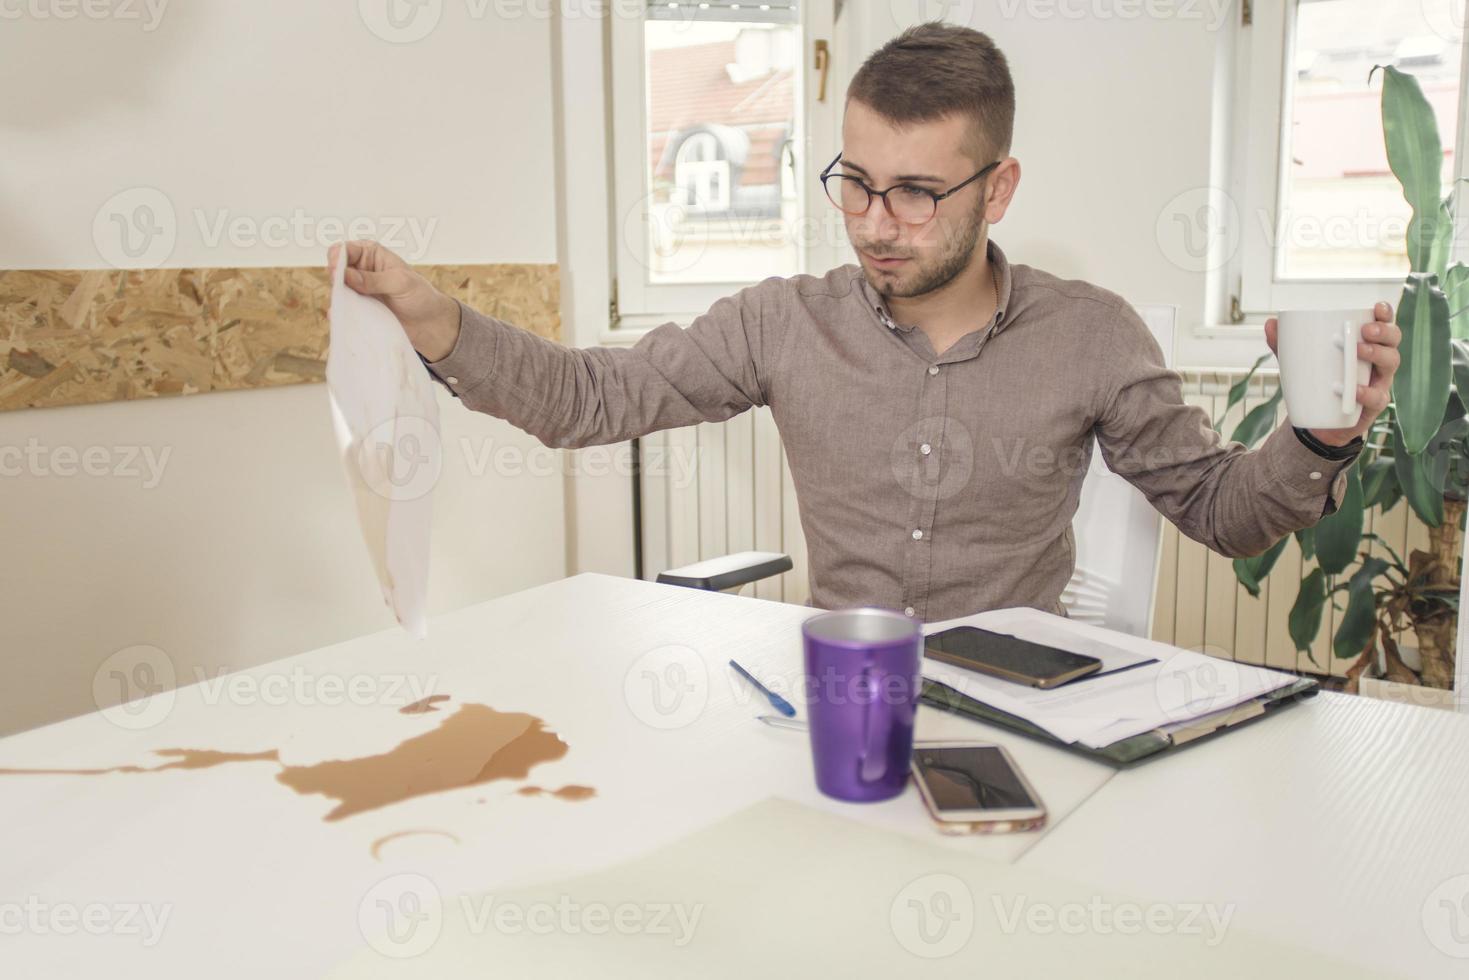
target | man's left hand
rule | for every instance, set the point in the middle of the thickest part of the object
(1379, 347)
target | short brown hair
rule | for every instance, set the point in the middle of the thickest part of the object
(936, 69)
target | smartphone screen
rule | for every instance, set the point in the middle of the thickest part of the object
(1008, 656)
(970, 777)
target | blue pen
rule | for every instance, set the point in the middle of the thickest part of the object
(776, 701)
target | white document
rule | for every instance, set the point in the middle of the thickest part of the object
(1164, 684)
(386, 419)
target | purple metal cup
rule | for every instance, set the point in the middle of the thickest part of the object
(862, 687)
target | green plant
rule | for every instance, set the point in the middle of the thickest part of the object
(1417, 450)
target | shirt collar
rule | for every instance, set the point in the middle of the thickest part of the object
(1002, 275)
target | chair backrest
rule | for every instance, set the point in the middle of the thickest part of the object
(1118, 533)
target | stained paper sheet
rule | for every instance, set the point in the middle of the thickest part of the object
(387, 425)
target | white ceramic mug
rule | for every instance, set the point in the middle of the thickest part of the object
(1319, 367)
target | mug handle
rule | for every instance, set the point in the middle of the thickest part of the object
(1349, 366)
(872, 763)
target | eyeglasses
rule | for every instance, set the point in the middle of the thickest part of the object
(912, 205)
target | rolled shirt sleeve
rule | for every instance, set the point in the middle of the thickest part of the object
(570, 397)
(1235, 500)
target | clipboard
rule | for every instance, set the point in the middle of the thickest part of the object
(1136, 749)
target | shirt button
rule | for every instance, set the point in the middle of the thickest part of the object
(925, 449)
(934, 369)
(452, 380)
(909, 611)
(917, 534)
(1315, 474)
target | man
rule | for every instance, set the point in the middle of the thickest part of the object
(937, 403)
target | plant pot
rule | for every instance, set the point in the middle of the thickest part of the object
(1427, 697)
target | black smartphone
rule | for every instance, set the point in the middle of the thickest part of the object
(1009, 658)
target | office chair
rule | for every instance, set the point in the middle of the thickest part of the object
(1115, 581)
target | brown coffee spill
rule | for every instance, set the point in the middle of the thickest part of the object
(564, 793)
(474, 745)
(423, 706)
(377, 845)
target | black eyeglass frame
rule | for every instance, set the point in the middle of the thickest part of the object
(874, 192)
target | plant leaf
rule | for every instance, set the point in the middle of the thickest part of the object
(1425, 499)
(1456, 288)
(1461, 367)
(1379, 480)
(1415, 154)
(1238, 389)
(1305, 615)
(1421, 386)
(1250, 571)
(1306, 538)
(1259, 421)
(1388, 548)
(1339, 534)
(1360, 619)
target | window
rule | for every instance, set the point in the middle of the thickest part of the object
(714, 131)
(1320, 218)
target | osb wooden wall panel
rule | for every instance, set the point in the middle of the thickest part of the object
(75, 337)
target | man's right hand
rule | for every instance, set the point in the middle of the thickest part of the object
(429, 317)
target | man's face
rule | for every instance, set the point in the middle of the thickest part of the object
(900, 259)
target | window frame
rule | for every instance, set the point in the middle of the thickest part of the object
(639, 303)
(1262, 91)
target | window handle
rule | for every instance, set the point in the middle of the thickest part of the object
(823, 65)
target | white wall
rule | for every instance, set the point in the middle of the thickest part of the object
(493, 133)
(247, 550)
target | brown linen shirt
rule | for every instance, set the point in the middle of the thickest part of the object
(939, 485)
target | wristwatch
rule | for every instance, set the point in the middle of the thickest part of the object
(1334, 453)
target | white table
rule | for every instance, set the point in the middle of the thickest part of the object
(233, 853)
(633, 677)
(1341, 824)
